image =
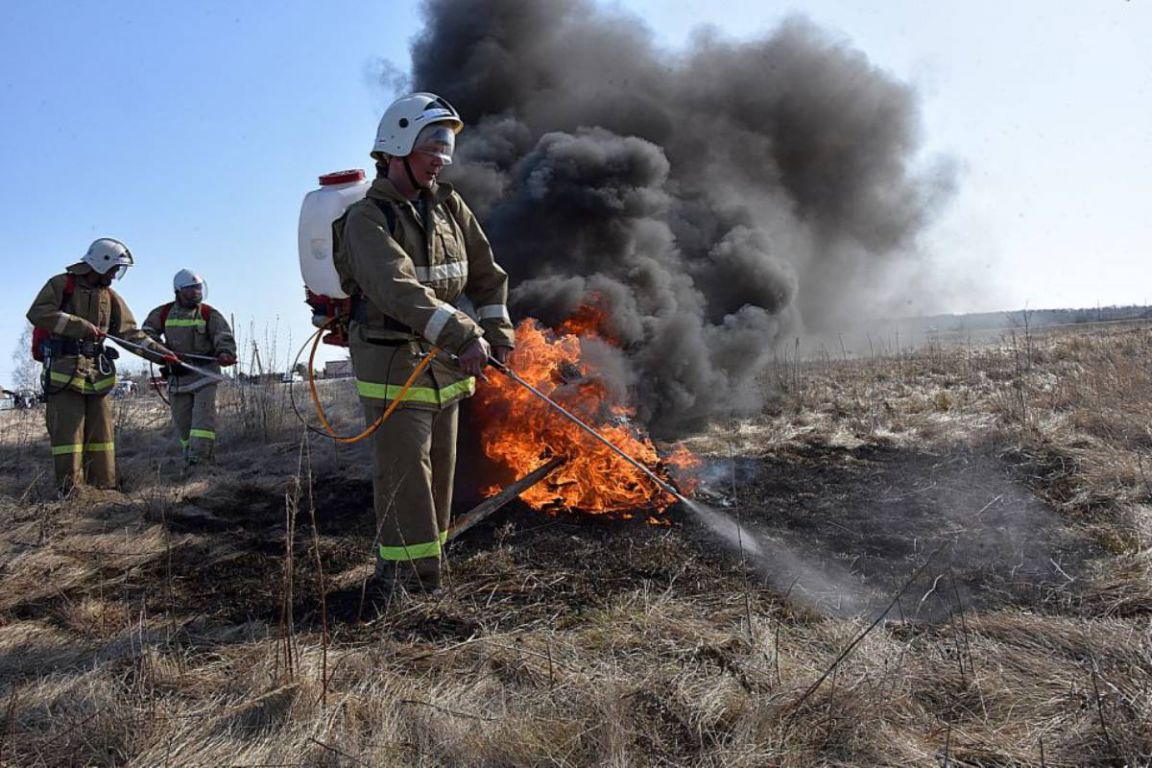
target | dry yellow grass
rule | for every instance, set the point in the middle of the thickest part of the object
(146, 627)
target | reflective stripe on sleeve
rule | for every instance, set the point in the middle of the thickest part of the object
(493, 312)
(440, 318)
(62, 323)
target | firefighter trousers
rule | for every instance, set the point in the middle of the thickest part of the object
(415, 463)
(81, 432)
(194, 414)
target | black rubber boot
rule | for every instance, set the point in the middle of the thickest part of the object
(385, 588)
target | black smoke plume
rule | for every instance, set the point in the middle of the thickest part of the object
(712, 202)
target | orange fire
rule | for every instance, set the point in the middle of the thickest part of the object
(522, 432)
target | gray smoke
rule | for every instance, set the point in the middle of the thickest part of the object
(710, 201)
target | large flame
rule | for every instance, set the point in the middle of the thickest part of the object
(522, 432)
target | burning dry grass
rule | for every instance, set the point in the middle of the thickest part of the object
(149, 628)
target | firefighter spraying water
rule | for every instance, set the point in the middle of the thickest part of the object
(389, 272)
(385, 266)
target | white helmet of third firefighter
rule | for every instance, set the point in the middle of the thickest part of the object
(190, 288)
(417, 123)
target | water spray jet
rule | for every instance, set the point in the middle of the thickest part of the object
(716, 521)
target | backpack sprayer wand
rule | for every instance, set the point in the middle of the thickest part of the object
(190, 356)
(663, 484)
(194, 368)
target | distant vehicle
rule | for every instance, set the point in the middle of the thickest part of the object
(290, 377)
(27, 398)
(7, 403)
(123, 389)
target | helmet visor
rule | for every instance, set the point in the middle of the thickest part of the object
(193, 293)
(437, 140)
(119, 270)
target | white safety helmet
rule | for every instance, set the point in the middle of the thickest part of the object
(408, 116)
(186, 278)
(107, 254)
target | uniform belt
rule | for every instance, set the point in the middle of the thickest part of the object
(80, 347)
(360, 315)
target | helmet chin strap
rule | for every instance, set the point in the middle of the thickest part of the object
(411, 177)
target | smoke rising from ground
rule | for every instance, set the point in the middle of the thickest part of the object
(711, 201)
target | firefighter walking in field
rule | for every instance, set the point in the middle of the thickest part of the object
(198, 332)
(409, 252)
(72, 315)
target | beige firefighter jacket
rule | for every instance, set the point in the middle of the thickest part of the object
(86, 372)
(186, 332)
(411, 276)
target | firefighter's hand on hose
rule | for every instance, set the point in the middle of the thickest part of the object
(226, 359)
(91, 330)
(175, 367)
(474, 357)
(500, 354)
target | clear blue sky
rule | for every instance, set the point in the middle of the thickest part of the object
(192, 130)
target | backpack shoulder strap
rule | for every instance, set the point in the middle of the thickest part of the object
(205, 311)
(164, 310)
(389, 212)
(452, 204)
(69, 289)
(114, 307)
(338, 259)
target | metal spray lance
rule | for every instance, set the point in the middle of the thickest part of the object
(189, 366)
(661, 483)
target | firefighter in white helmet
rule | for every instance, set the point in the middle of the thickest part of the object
(198, 333)
(409, 252)
(72, 315)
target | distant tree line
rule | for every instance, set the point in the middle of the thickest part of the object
(1039, 317)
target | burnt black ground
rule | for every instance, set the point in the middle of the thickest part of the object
(847, 529)
(843, 532)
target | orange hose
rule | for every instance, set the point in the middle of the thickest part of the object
(387, 411)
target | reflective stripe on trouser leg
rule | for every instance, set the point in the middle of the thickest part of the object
(202, 427)
(64, 416)
(414, 455)
(181, 405)
(99, 451)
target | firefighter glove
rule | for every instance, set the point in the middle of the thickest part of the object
(474, 357)
(174, 366)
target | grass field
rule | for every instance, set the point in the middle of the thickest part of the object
(955, 569)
